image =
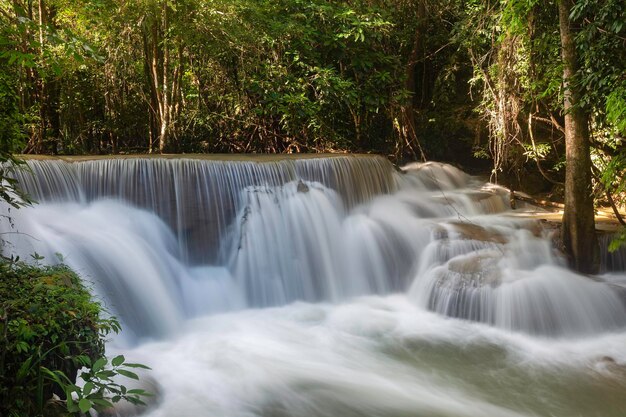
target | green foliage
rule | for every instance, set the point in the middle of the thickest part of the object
(614, 174)
(11, 139)
(537, 152)
(10, 191)
(616, 108)
(244, 75)
(11, 134)
(515, 51)
(99, 390)
(600, 43)
(618, 241)
(50, 328)
(291, 75)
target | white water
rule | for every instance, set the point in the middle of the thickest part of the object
(426, 300)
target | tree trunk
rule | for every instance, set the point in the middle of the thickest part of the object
(43, 87)
(165, 85)
(579, 238)
(408, 122)
(163, 64)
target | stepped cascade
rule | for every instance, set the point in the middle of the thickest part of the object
(330, 285)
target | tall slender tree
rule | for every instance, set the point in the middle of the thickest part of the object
(163, 55)
(579, 237)
(408, 126)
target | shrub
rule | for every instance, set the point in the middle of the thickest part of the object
(50, 328)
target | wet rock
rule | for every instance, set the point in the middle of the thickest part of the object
(302, 187)
(609, 370)
(475, 232)
(474, 271)
(439, 233)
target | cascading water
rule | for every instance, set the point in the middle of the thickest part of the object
(383, 293)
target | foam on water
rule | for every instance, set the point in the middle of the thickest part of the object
(379, 356)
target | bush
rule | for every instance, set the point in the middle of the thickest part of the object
(50, 328)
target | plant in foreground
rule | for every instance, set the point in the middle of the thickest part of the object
(100, 390)
(52, 333)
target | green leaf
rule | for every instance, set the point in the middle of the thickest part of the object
(99, 364)
(136, 401)
(84, 360)
(23, 371)
(136, 365)
(101, 403)
(105, 374)
(118, 360)
(84, 405)
(128, 374)
(138, 391)
(89, 386)
(56, 377)
(617, 242)
(71, 405)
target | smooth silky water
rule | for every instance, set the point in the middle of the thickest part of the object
(331, 287)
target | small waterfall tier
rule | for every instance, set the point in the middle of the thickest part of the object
(198, 197)
(513, 280)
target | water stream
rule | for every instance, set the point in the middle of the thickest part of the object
(330, 287)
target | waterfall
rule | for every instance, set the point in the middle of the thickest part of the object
(328, 286)
(197, 198)
(164, 240)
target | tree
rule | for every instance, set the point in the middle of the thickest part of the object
(578, 231)
(164, 65)
(408, 128)
(600, 45)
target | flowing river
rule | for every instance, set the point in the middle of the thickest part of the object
(335, 286)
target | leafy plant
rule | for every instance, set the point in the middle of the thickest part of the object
(11, 139)
(618, 241)
(99, 391)
(50, 329)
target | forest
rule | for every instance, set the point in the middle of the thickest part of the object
(411, 79)
(376, 256)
